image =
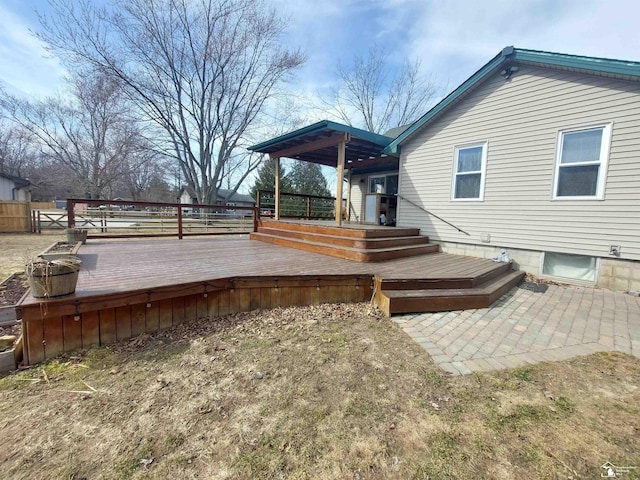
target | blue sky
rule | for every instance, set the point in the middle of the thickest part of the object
(453, 38)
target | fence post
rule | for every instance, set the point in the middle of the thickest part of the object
(179, 222)
(39, 224)
(71, 219)
(308, 208)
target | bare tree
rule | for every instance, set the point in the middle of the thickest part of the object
(378, 95)
(202, 70)
(140, 178)
(91, 133)
(18, 150)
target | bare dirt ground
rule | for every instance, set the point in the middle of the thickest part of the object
(320, 392)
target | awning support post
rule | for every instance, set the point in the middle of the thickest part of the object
(340, 174)
(277, 189)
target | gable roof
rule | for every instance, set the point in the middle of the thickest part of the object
(236, 197)
(19, 182)
(222, 194)
(511, 57)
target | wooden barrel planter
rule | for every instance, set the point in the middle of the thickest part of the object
(75, 235)
(53, 278)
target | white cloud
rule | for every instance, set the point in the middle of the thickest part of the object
(26, 66)
(455, 38)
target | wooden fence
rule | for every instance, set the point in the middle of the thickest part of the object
(43, 206)
(15, 217)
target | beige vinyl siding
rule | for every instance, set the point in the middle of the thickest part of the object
(520, 120)
(357, 197)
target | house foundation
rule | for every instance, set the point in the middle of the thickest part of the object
(612, 273)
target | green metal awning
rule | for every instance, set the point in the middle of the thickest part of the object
(318, 143)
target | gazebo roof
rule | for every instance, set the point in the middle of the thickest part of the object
(318, 143)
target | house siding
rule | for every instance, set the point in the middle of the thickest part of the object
(357, 198)
(8, 193)
(6, 189)
(520, 119)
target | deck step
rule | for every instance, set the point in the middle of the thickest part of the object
(347, 241)
(347, 230)
(447, 299)
(348, 253)
(451, 282)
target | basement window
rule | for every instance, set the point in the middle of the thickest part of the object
(573, 267)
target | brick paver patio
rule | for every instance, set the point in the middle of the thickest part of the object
(526, 327)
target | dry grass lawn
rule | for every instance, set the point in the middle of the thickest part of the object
(324, 392)
(17, 248)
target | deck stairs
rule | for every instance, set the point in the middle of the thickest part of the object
(357, 244)
(456, 290)
(447, 293)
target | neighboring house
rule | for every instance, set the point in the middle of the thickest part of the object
(14, 188)
(537, 153)
(188, 196)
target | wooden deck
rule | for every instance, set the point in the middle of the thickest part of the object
(362, 243)
(127, 287)
(117, 266)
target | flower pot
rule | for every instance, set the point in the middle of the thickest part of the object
(53, 278)
(75, 235)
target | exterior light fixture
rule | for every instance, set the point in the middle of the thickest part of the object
(508, 71)
(76, 315)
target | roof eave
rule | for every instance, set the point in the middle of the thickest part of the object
(593, 64)
(603, 65)
(374, 138)
(393, 147)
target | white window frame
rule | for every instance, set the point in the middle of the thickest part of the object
(483, 171)
(603, 162)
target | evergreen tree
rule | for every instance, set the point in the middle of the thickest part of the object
(266, 179)
(307, 178)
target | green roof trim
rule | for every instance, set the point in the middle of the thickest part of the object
(511, 54)
(374, 138)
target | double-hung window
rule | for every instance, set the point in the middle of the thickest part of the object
(581, 163)
(469, 167)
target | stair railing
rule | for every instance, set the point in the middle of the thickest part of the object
(432, 214)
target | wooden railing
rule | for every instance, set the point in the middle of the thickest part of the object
(296, 205)
(125, 219)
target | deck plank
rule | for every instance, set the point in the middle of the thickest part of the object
(112, 267)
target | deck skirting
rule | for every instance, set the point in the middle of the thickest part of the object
(51, 329)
